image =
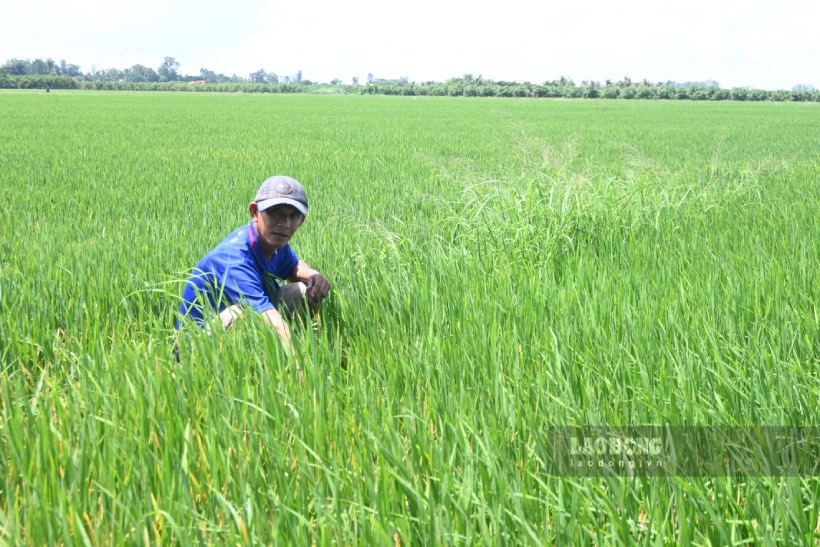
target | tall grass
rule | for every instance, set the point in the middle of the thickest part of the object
(498, 268)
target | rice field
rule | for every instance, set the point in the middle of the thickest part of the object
(499, 268)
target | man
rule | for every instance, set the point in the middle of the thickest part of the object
(244, 270)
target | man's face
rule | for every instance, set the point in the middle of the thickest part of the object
(275, 226)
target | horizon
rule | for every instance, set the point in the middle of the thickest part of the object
(763, 44)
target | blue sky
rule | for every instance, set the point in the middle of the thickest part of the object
(769, 44)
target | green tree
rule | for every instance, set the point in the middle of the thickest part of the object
(207, 75)
(721, 94)
(168, 70)
(589, 92)
(259, 77)
(113, 75)
(15, 67)
(626, 82)
(70, 70)
(139, 73)
(40, 67)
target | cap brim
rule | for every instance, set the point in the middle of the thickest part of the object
(268, 203)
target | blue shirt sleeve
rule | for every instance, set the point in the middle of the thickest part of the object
(241, 283)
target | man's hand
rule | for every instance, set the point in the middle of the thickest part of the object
(317, 287)
(274, 318)
(299, 370)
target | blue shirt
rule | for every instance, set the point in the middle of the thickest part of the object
(236, 272)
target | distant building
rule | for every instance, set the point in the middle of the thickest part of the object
(198, 82)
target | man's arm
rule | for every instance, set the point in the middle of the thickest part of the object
(274, 319)
(317, 284)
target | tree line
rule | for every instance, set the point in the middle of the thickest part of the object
(469, 86)
(47, 74)
(168, 71)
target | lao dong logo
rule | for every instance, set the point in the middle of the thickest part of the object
(616, 446)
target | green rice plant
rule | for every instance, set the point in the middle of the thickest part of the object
(499, 268)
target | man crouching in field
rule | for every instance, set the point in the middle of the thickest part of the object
(244, 270)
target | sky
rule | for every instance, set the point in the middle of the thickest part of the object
(766, 44)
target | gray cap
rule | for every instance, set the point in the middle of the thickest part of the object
(280, 190)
